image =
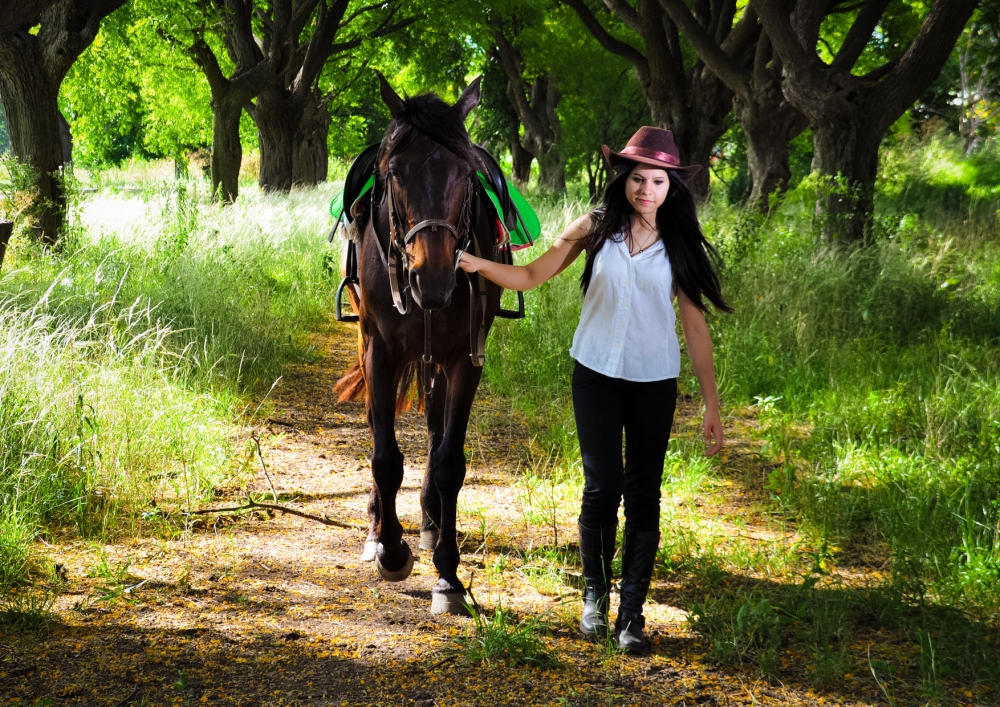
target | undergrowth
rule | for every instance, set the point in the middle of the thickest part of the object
(128, 354)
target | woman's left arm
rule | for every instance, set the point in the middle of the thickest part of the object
(699, 345)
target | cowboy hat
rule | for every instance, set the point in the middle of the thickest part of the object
(652, 146)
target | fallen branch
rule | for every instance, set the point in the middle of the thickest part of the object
(256, 440)
(128, 698)
(253, 505)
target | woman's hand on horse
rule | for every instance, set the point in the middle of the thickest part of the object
(470, 263)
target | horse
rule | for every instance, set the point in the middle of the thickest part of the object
(418, 321)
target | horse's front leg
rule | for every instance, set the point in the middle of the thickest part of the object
(430, 499)
(448, 474)
(392, 556)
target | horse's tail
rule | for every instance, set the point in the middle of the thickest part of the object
(352, 385)
(410, 392)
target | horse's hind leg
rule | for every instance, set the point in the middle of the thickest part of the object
(448, 472)
(430, 498)
(392, 556)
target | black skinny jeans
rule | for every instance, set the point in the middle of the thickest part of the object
(604, 407)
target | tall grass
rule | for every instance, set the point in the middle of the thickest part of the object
(131, 355)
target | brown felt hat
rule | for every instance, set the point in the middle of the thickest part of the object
(652, 146)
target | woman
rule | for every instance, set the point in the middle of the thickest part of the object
(644, 248)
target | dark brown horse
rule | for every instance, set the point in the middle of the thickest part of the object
(416, 313)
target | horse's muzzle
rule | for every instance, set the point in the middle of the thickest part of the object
(432, 287)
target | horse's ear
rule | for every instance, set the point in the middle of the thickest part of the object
(390, 97)
(470, 98)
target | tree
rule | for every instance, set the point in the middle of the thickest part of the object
(683, 96)
(849, 114)
(535, 104)
(497, 122)
(768, 120)
(32, 67)
(290, 112)
(978, 55)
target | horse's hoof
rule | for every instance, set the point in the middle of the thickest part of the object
(368, 554)
(455, 603)
(400, 574)
(428, 539)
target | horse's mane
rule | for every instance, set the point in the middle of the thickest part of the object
(430, 115)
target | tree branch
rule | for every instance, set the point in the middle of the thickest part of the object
(925, 56)
(205, 58)
(786, 43)
(859, 34)
(253, 505)
(608, 41)
(626, 13)
(722, 65)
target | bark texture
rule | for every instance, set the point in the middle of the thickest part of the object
(689, 100)
(32, 67)
(535, 106)
(310, 154)
(850, 114)
(6, 228)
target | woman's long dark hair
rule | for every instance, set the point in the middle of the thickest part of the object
(692, 257)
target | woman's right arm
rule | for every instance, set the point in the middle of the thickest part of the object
(563, 252)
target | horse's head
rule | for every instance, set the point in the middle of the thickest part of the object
(427, 164)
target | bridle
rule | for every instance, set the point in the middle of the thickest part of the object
(398, 262)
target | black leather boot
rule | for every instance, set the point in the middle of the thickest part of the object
(639, 555)
(597, 548)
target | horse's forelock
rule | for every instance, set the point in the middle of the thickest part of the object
(430, 115)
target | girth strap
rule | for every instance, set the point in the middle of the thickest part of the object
(477, 335)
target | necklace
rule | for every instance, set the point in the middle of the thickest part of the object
(632, 242)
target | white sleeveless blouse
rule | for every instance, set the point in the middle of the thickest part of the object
(627, 326)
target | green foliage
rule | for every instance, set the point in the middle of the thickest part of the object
(741, 627)
(888, 357)
(502, 638)
(133, 92)
(127, 356)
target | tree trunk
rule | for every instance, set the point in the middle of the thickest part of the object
(276, 128)
(6, 228)
(521, 158)
(697, 124)
(30, 103)
(227, 151)
(552, 170)
(846, 152)
(65, 142)
(536, 110)
(688, 100)
(770, 124)
(311, 156)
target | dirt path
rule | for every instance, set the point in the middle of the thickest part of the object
(280, 611)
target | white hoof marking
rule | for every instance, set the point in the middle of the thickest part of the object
(453, 603)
